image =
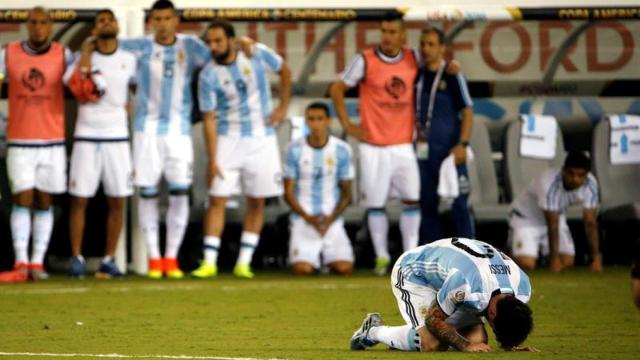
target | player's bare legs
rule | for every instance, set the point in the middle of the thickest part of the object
(214, 219)
(76, 223)
(525, 262)
(114, 223)
(635, 291)
(254, 216)
(302, 268)
(341, 267)
(567, 261)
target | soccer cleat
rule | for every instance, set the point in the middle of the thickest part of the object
(360, 340)
(19, 274)
(109, 270)
(77, 268)
(171, 268)
(22, 267)
(37, 272)
(382, 266)
(243, 271)
(205, 271)
(155, 269)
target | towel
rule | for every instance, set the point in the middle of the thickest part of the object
(448, 182)
(538, 136)
(624, 141)
(299, 127)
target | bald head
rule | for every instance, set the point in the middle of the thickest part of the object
(39, 26)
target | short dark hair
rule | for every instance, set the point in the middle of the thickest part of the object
(320, 106)
(577, 160)
(432, 29)
(162, 5)
(225, 25)
(103, 11)
(513, 322)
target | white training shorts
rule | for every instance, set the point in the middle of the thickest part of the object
(249, 164)
(414, 301)
(388, 171)
(106, 161)
(527, 239)
(43, 168)
(155, 156)
(306, 244)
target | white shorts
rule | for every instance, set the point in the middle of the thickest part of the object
(526, 239)
(106, 161)
(388, 171)
(251, 165)
(43, 168)
(154, 156)
(414, 301)
(306, 244)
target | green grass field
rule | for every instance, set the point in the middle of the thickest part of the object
(577, 315)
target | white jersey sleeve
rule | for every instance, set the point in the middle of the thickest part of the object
(548, 189)
(3, 63)
(345, 162)
(590, 196)
(292, 162)
(69, 57)
(70, 69)
(354, 73)
(198, 49)
(206, 90)
(269, 58)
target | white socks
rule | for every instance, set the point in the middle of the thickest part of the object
(248, 244)
(148, 218)
(177, 221)
(211, 248)
(398, 337)
(21, 232)
(410, 226)
(42, 227)
(379, 230)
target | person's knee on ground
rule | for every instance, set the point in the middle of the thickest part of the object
(525, 262)
(302, 268)
(567, 261)
(342, 267)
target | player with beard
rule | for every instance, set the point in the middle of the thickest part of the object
(101, 150)
(36, 158)
(239, 121)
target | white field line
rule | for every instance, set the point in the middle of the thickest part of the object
(124, 356)
(176, 287)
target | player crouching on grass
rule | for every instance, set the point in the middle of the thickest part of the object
(443, 290)
(318, 176)
(100, 80)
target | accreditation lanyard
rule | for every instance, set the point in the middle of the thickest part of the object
(432, 97)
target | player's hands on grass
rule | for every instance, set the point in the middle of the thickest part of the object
(596, 263)
(459, 154)
(555, 264)
(478, 347)
(213, 172)
(278, 115)
(356, 131)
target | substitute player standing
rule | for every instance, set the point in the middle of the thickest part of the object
(385, 76)
(162, 143)
(239, 120)
(318, 175)
(443, 290)
(101, 149)
(36, 158)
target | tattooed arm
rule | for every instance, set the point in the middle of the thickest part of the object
(435, 323)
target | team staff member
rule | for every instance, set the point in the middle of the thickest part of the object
(239, 120)
(162, 145)
(445, 118)
(318, 175)
(101, 149)
(385, 76)
(36, 158)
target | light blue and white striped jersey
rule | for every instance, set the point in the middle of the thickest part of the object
(465, 273)
(240, 93)
(547, 193)
(318, 173)
(164, 99)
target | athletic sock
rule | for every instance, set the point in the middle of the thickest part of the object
(248, 244)
(20, 232)
(211, 248)
(398, 337)
(42, 227)
(177, 221)
(379, 230)
(410, 226)
(148, 218)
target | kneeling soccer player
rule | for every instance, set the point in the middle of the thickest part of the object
(444, 289)
(318, 176)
